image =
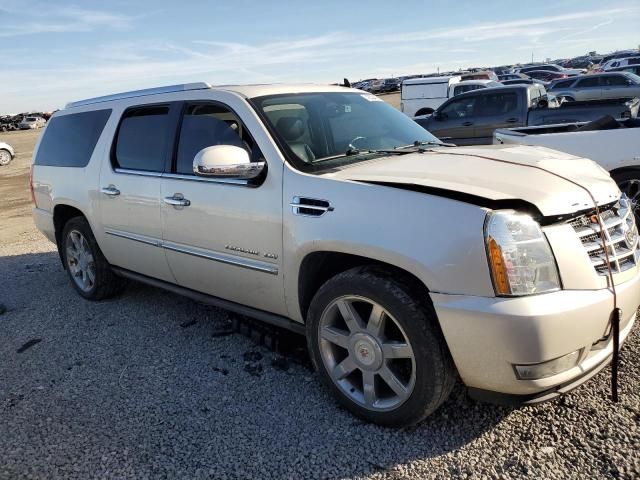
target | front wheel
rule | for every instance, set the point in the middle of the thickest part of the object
(378, 348)
(5, 157)
(629, 184)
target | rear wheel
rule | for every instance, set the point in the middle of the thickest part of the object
(88, 270)
(5, 157)
(378, 348)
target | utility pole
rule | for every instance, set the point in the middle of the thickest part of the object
(531, 57)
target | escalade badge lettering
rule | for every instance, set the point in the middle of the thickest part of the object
(233, 248)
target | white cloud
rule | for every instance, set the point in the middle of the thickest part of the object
(38, 18)
(87, 71)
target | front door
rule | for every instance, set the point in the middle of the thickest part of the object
(129, 199)
(226, 238)
(455, 120)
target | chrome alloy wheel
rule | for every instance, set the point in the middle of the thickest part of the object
(80, 261)
(631, 188)
(5, 157)
(366, 353)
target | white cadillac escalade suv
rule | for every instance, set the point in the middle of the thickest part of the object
(405, 261)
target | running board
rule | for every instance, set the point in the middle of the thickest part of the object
(270, 318)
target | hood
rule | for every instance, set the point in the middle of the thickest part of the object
(460, 169)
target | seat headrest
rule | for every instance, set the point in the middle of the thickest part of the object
(291, 128)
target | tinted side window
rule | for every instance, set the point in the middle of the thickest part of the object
(69, 140)
(615, 81)
(462, 108)
(562, 84)
(465, 88)
(499, 103)
(588, 82)
(206, 125)
(634, 61)
(142, 139)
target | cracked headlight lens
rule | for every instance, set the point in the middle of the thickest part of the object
(519, 255)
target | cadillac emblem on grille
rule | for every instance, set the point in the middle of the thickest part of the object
(620, 236)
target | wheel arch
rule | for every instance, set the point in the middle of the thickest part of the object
(62, 213)
(625, 169)
(424, 111)
(318, 267)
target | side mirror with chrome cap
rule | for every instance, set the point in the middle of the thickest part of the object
(226, 161)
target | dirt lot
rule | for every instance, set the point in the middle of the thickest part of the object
(152, 385)
(15, 213)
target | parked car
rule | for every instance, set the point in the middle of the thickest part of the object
(511, 76)
(598, 86)
(549, 67)
(613, 144)
(479, 75)
(6, 154)
(619, 62)
(390, 85)
(471, 118)
(191, 187)
(524, 81)
(422, 96)
(635, 69)
(545, 75)
(31, 122)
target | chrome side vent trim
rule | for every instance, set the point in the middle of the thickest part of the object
(310, 207)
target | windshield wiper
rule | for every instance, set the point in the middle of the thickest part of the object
(425, 143)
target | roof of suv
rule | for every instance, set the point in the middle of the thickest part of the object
(249, 91)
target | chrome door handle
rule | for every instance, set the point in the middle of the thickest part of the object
(177, 200)
(110, 190)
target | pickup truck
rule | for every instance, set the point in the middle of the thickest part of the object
(613, 144)
(471, 118)
(421, 96)
(405, 262)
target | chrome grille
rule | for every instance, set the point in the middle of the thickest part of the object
(621, 237)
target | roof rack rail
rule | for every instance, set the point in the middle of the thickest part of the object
(142, 93)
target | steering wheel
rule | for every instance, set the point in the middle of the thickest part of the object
(351, 146)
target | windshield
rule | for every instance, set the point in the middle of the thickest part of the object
(319, 128)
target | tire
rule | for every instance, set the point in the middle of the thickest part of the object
(88, 270)
(629, 183)
(425, 373)
(424, 111)
(5, 157)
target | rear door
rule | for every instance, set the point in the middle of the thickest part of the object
(129, 196)
(455, 120)
(498, 110)
(588, 88)
(618, 86)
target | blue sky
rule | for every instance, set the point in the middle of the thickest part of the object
(52, 52)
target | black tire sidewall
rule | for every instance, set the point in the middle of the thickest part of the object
(434, 368)
(81, 225)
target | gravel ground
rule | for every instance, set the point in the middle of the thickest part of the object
(152, 385)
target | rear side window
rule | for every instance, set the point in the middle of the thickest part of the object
(499, 103)
(69, 140)
(615, 81)
(562, 84)
(143, 138)
(589, 82)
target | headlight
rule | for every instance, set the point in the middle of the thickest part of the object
(520, 258)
